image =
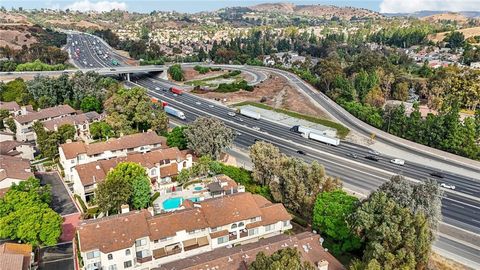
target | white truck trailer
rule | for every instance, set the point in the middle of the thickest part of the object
(174, 112)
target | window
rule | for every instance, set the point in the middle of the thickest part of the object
(155, 241)
(153, 172)
(254, 219)
(72, 161)
(269, 227)
(110, 256)
(127, 252)
(93, 254)
(253, 231)
(234, 226)
(166, 239)
(143, 253)
(286, 223)
(241, 224)
(112, 267)
(127, 264)
(214, 229)
(222, 239)
(141, 242)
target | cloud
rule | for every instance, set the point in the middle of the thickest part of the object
(406, 6)
(101, 6)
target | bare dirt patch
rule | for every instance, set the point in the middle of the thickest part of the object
(441, 263)
(275, 92)
(79, 24)
(192, 74)
(16, 38)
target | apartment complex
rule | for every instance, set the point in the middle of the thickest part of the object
(77, 153)
(139, 240)
(14, 109)
(16, 256)
(81, 122)
(24, 123)
(160, 165)
(13, 170)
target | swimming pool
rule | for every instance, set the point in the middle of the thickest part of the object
(194, 199)
(172, 203)
(198, 188)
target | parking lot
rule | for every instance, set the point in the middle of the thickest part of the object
(56, 257)
(61, 201)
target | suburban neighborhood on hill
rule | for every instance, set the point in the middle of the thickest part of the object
(213, 135)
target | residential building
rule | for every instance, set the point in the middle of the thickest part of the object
(138, 240)
(16, 256)
(475, 65)
(14, 109)
(223, 185)
(76, 153)
(13, 170)
(307, 243)
(160, 165)
(17, 149)
(24, 122)
(81, 122)
(6, 136)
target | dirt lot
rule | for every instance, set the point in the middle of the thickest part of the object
(191, 74)
(277, 93)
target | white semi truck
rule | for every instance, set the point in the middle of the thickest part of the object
(249, 113)
(174, 112)
(311, 134)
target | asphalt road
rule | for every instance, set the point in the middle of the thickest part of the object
(460, 208)
(61, 201)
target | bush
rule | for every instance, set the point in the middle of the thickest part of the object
(176, 72)
(38, 65)
(81, 202)
(234, 87)
(201, 70)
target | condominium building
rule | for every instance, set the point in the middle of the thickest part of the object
(77, 153)
(139, 240)
(160, 165)
(81, 122)
(13, 170)
(14, 109)
(24, 123)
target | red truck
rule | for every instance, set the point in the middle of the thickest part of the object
(175, 90)
(155, 100)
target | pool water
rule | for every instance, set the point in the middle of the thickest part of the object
(194, 199)
(172, 203)
(198, 188)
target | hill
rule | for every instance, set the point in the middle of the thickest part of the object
(321, 11)
(467, 32)
(450, 16)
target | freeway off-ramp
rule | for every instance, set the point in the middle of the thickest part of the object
(460, 209)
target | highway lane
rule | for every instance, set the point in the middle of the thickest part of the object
(453, 207)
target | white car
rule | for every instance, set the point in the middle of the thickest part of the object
(373, 152)
(157, 88)
(398, 161)
(211, 106)
(256, 128)
(238, 133)
(445, 185)
(175, 95)
(232, 114)
(198, 103)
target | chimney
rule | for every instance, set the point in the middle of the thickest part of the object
(322, 265)
(68, 141)
(150, 210)
(124, 208)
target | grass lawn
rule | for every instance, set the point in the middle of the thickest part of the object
(342, 131)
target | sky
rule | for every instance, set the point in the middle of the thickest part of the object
(191, 6)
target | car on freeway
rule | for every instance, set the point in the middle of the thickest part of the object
(211, 106)
(198, 103)
(175, 95)
(398, 161)
(374, 158)
(353, 155)
(373, 152)
(301, 152)
(231, 114)
(240, 119)
(256, 140)
(449, 186)
(112, 69)
(256, 128)
(437, 174)
(238, 133)
(157, 88)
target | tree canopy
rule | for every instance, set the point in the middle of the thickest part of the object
(285, 259)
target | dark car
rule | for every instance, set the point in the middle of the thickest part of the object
(437, 174)
(353, 155)
(301, 152)
(374, 158)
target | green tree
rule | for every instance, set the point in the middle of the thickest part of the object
(11, 125)
(266, 159)
(140, 192)
(89, 104)
(285, 259)
(328, 69)
(183, 176)
(66, 132)
(455, 39)
(394, 237)
(330, 215)
(176, 72)
(3, 114)
(101, 130)
(25, 214)
(176, 138)
(212, 141)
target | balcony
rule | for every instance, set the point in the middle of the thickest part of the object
(167, 251)
(195, 243)
(144, 259)
(232, 236)
(243, 233)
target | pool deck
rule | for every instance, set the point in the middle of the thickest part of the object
(185, 194)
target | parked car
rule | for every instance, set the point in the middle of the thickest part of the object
(374, 158)
(449, 186)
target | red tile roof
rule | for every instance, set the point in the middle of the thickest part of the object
(45, 113)
(14, 167)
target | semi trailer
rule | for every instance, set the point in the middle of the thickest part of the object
(175, 112)
(249, 113)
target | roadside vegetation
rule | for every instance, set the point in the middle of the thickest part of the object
(38, 65)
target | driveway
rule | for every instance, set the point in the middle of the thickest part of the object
(61, 201)
(56, 257)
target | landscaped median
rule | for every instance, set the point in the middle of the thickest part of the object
(342, 131)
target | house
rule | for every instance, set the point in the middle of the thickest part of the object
(307, 243)
(13, 170)
(223, 185)
(81, 122)
(14, 109)
(16, 256)
(17, 149)
(139, 240)
(76, 153)
(475, 65)
(160, 165)
(24, 123)
(6, 136)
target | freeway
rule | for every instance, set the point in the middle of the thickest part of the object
(460, 208)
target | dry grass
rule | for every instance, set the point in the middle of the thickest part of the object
(446, 16)
(441, 263)
(467, 32)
